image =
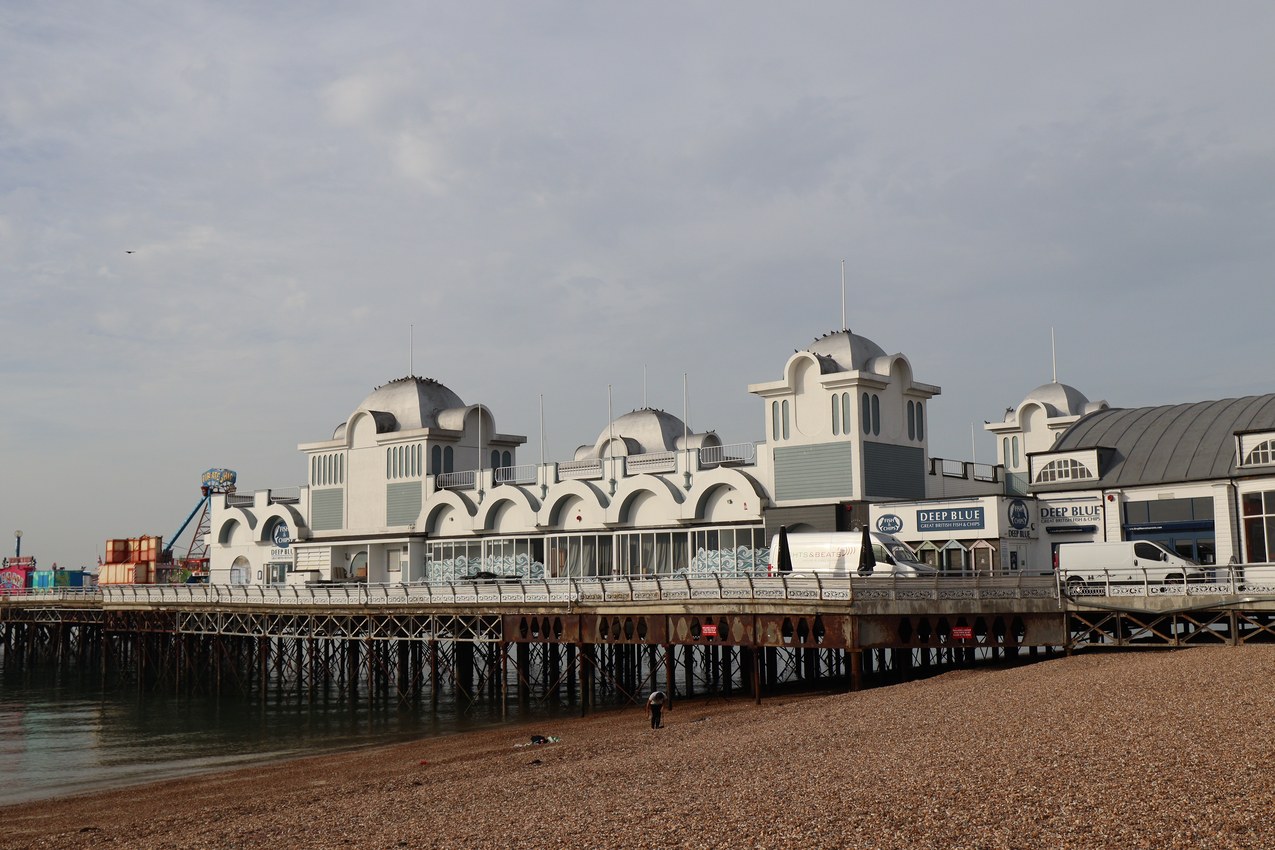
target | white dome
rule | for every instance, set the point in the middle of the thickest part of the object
(413, 402)
(846, 350)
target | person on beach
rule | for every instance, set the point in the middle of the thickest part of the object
(655, 707)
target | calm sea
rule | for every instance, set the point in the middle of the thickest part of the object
(61, 735)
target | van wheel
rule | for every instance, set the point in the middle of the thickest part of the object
(1175, 578)
(1075, 586)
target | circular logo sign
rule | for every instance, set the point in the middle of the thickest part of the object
(1018, 515)
(889, 524)
(280, 535)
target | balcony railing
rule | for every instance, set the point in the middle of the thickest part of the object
(655, 462)
(524, 474)
(580, 469)
(467, 480)
(735, 454)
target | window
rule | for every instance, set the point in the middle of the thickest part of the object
(495, 458)
(785, 418)
(1005, 451)
(1063, 470)
(774, 420)
(1014, 443)
(506, 459)
(846, 411)
(920, 421)
(876, 414)
(836, 415)
(865, 414)
(1261, 455)
(436, 460)
(447, 459)
(911, 420)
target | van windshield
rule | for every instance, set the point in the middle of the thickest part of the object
(898, 552)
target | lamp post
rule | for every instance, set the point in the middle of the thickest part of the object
(17, 535)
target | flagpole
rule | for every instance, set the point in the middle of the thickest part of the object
(843, 295)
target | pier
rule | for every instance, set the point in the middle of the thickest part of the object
(590, 643)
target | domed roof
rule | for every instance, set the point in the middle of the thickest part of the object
(846, 349)
(1060, 400)
(413, 402)
(642, 431)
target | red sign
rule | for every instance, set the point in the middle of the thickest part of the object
(709, 630)
(962, 632)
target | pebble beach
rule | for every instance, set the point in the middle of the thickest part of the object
(1148, 749)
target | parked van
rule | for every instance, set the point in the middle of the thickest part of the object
(1131, 561)
(836, 555)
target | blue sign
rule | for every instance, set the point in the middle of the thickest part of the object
(889, 524)
(1018, 515)
(949, 519)
(280, 535)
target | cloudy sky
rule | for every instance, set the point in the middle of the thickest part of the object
(549, 198)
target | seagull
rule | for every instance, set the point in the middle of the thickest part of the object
(126, 251)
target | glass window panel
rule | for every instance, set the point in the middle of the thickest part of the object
(1255, 540)
(836, 416)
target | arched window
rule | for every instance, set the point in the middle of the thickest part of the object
(447, 459)
(836, 415)
(920, 421)
(774, 420)
(436, 460)
(495, 458)
(785, 418)
(911, 420)
(1065, 469)
(847, 410)
(865, 414)
(506, 459)
(876, 414)
(1262, 453)
(1005, 451)
(1014, 443)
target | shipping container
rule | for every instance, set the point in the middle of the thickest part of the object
(41, 580)
(13, 579)
(116, 551)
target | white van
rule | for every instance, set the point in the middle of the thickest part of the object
(1128, 562)
(836, 555)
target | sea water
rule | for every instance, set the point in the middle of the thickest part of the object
(62, 734)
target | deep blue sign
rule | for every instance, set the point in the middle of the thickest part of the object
(889, 524)
(949, 519)
(1018, 515)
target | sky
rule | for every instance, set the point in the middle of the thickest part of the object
(223, 224)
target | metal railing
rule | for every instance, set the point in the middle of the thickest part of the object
(1213, 580)
(590, 591)
(524, 474)
(735, 454)
(466, 480)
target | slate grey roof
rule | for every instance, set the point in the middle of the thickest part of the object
(1179, 442)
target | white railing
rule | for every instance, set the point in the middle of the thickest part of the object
(466, 480)
(524, 474)
(741, 454)
(578, 469)
(1216, 580)
(588, 591)
(655, 462)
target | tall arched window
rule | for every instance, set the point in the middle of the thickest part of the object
(785, 418)
(448, 454)
(865, 415)
(847, 410)
(920, 421)
(774, 420)
(506, 459)
(836, 415)
(495, 458)
(911, 420)
(436, 460)
(876, 414)
(1014, 443)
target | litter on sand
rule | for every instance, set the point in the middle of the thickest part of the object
(540, 739)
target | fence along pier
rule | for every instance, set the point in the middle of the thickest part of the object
(570, 643)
